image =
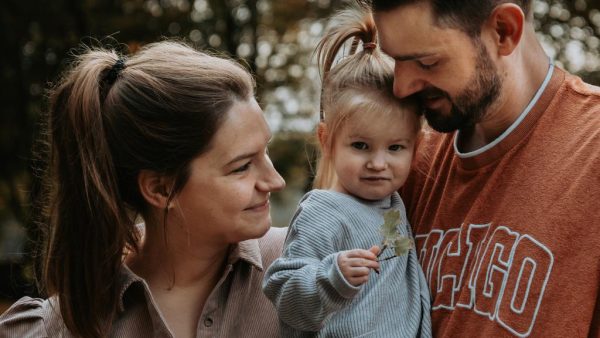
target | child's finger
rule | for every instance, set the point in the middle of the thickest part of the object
(360, 253)
(359, 271)
(375, 250)
(363, 262)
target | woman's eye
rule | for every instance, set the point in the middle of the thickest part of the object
(396, 147)
(359, 145)
(242, 168)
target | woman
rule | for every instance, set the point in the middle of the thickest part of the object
(173, 136)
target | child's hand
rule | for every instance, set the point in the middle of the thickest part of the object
(356, 264)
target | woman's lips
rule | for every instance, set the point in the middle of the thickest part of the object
(259, 206)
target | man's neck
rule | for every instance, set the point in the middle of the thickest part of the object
(523, 75)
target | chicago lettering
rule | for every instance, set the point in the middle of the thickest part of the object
(497, 273)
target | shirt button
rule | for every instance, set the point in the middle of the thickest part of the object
(208, 322)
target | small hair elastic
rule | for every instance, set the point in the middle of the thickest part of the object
(114, 71)
(369, 45)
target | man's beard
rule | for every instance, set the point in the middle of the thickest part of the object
(471, 105)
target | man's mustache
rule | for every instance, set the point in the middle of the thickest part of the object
(432, 93)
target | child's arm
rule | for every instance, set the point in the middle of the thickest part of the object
(308, 284)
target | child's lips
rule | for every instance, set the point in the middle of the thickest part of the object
(375, 178)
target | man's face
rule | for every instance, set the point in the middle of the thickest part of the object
(450, 73)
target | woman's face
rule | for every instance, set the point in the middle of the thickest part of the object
(226, 198)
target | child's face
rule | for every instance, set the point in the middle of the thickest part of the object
(372, 154)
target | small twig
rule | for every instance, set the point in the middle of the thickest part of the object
(385, 259)
(382, 250)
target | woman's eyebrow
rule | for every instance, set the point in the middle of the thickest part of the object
(242, 157)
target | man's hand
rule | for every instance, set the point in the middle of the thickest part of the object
(356, 264)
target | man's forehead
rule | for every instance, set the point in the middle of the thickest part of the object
(408, 32)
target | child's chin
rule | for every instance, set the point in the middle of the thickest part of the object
(374, 196)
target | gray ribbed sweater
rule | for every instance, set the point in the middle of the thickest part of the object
(311, 294)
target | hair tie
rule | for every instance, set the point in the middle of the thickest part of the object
(369, 45)
(114, 72)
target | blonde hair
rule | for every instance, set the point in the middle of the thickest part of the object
(359, 83)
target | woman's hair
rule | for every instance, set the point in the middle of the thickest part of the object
(359, 85)
(109, 118)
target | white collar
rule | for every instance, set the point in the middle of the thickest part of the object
(513, 126)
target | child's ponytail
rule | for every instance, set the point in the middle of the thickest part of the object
(351, 23)
(363, 67)
(88, 227)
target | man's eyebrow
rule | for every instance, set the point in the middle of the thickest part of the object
(411, 57)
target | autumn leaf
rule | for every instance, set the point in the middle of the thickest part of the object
(388, 228)
(392, 237)
(402, 245)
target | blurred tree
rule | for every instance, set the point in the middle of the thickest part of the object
(275, 39)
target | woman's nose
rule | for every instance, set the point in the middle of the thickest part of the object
(271, 181)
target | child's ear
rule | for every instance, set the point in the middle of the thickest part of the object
(154, 188)
(323, 134)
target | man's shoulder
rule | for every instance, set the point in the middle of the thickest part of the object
(576, 84)
(579, 96)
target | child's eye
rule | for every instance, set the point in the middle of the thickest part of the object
(396, 147)
(359, 145)
(242, 168)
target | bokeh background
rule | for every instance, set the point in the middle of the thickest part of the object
(273, 38)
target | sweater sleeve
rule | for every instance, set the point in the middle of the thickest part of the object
(306, 284)
(24, 319)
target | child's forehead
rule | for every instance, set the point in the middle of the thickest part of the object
(379, 125)
(367, 114)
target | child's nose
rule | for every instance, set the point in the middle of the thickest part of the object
(377, 161)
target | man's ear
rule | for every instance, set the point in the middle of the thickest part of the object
(155, 188)
(323, 134)
(506, 27)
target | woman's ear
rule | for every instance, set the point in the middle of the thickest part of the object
(506, 25)
(322, 135)
(155, 188)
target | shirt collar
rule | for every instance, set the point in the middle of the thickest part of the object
(247, 251)
(513, 126)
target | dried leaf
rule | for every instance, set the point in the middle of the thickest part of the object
(392, 237)
(388, 228)
(402, 245)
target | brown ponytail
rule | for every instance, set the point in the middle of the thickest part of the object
(109, 119)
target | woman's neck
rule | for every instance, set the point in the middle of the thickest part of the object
(175, 262)
(180, 275)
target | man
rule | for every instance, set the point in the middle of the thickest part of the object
(505, 196)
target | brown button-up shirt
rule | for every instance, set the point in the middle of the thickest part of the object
(235, 308)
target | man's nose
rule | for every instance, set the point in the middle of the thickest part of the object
(407, 80)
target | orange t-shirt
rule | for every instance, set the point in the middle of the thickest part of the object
(509, 239)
